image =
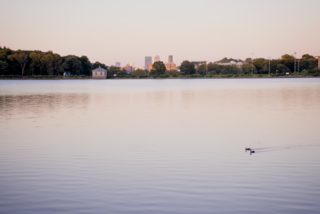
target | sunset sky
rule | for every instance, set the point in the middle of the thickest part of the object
(126, 30)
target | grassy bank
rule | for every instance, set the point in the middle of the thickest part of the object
(217, 76)
(163, 76)
(44, 77)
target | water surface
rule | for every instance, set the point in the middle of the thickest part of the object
(160, 146)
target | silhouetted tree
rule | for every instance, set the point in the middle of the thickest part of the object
(187, 68)
(159, 68)
(21, 58)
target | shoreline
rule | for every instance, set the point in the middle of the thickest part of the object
(148, 78)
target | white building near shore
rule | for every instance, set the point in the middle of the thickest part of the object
(99, 73)
(238, 64)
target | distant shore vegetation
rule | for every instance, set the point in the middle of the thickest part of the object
(17, 64)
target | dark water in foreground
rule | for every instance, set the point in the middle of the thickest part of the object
(160, 146)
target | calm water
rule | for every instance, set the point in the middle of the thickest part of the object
(160, 146)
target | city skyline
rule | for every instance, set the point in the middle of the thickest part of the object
(148, 59)
(234, 30)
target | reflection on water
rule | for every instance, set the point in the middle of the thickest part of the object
(36, 104)
(160, 146)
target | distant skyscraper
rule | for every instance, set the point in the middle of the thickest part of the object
(131, 64)
(147, 60)
(156, 58)
(118, 64)
(170, 58)
(149, 66)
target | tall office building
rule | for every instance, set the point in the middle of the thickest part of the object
(170, 58)
(131, 64)
(118, 64)
(149, 66)
(156, 58)
(148, 59)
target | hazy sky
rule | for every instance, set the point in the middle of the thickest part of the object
(128, 30)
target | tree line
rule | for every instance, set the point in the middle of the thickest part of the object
(48, 63)
(43, 63)
(306, 65)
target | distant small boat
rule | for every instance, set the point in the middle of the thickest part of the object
(252, 151)
(246, 149)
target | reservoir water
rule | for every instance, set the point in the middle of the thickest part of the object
(160, 146)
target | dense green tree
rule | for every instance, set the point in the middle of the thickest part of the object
(57, 63)
(4, 54)
(202, 69)
(273, 66)
(52, 63)
(173, 72)
(265, 68)
(230, 69)
(259, 63)
(187, 68)
(37, 65)
(22, 59)
(76, 65)
(159, 68)
(72, 64)
(282, 68)
(214, 69)
(42, 63)
(313, 70)
(247, 68)
(4, 63)
(113, 70)
(224, 60)
(86, 66)
(139, 72)
(288, 61)
(13, 66)
(152, 72)
(307, 56)
(4, 68)
(307, 62)
(248, 60)
(287, 57)
(98, 64)
(122, 72)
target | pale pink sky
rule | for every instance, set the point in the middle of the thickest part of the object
(126, 30)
